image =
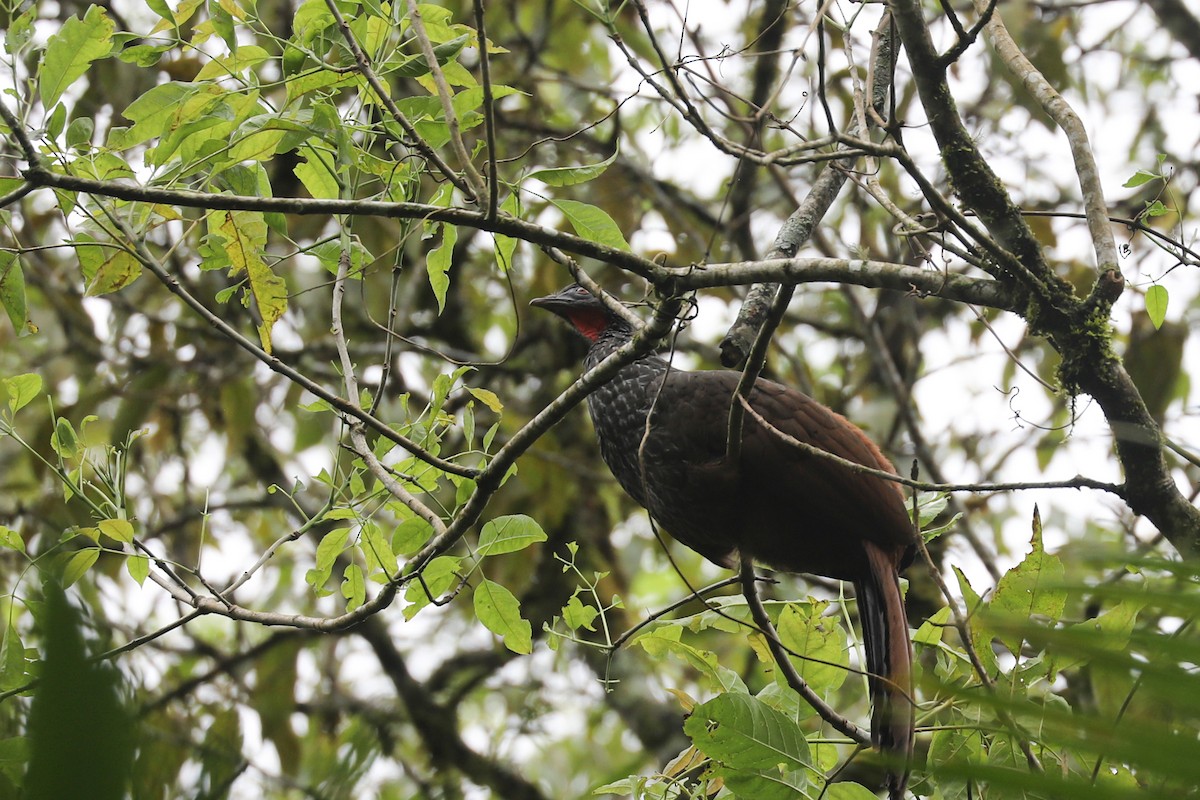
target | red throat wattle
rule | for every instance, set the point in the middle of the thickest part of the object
(591, 322)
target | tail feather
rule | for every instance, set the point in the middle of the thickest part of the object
(889, 660)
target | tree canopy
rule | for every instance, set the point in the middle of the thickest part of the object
(275, 414)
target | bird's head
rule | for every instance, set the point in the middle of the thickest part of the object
(580, 308)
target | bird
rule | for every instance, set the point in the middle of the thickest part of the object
(663, 433)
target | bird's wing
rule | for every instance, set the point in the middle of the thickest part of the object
(862, 505)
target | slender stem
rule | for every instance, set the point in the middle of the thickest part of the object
(794, 680)
(385, 97)
(474, 179)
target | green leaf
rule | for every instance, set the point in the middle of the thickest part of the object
(592, 224)
(930, 632)
(410, 536)
(956, 745)
(1156, 304)
(1140, 177)
(500, 612)
(12, 292)
(12, 660)
(118, 529)
(844, 790)
(666, 641)
(1155, 208)
(1032, 588)
(417, 66)
(509, 534)
(436, 578)
(222, 23)
(71, 50)
(378, 551)
(79, 132)
(234, 63)
(154, 111)
(64, 441)
(577, 615)
(981, 635)
(78, 565)
(331, 546)
(354, 588)
(20, 30)
(437, 264)
(138, 566)
(572, 176)
(804, 629)
(506, 246)
(317, 176)
(11, 539)
(21, 389)
(58, 119)
(744, 733)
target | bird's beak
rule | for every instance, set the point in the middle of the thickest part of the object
(551, 302)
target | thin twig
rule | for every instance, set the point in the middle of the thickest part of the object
(474, 179)
(489, 113)
(385, 98)
(1078, 482)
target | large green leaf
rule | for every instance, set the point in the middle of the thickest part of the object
(744, 733)
(500, 612)
(12, 292)
(571, 176)
(509, 534)
(71, 50)
(1033, 588)
(592, 223)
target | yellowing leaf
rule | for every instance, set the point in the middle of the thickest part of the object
(488, 398)
(245, 234)
(118, 529)
(113, 270)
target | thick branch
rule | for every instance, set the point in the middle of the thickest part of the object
(509, 226)
(859, 272)
(1078, 330)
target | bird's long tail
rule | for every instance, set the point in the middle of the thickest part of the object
(889, 660)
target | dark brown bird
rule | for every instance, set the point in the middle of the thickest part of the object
(778, 505)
